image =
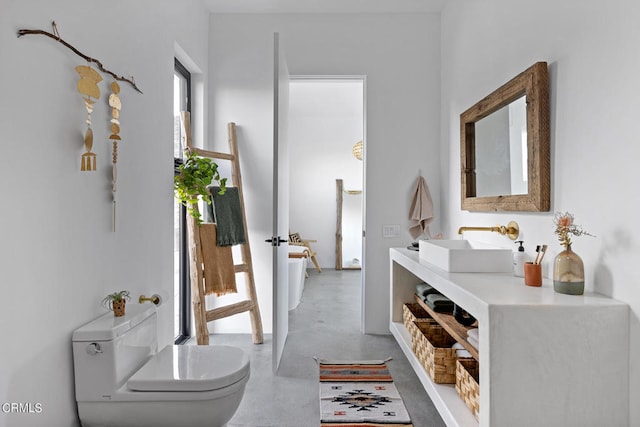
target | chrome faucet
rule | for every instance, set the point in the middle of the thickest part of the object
(511, 229)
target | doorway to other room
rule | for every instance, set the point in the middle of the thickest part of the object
(327, 148)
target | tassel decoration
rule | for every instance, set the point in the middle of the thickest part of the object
(116, 106)
(88, 85)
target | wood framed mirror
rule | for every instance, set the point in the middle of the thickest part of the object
(504, 147)
(348, 228)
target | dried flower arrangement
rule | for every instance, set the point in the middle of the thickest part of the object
(565, 228)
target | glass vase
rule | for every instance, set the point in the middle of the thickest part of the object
(568, 273)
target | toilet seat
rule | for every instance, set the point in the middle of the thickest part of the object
(191, 368)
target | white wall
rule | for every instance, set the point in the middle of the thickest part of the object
(399, 54)
(326, 120)
(594, 87)
(58, 256)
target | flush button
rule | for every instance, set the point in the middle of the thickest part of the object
(93, 349)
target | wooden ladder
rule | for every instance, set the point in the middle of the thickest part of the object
(201, 314)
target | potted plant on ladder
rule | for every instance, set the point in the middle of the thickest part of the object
(194, 175)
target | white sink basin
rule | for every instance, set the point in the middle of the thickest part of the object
(464, 256)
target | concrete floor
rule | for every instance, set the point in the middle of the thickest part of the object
(326, 325)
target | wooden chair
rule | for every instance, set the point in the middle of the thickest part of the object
(296, 240)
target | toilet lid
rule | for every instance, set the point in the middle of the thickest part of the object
(191, 368)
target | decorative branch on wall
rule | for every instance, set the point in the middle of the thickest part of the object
(88, 86)
(56, 36)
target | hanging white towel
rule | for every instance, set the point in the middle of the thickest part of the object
(421, 210)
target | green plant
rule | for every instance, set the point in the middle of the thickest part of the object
(108, 301)
(195, 174)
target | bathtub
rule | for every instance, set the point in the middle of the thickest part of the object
(297, 273)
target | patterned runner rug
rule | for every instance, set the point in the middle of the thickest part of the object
(359, 394)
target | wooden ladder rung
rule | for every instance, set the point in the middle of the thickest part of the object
(213, 154)
(229, 310)
(241, 268)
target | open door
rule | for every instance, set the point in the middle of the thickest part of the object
(280, 236)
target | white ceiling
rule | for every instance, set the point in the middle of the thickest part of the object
(324, 6)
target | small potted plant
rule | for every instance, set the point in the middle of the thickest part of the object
(116, 302)
(194, 175)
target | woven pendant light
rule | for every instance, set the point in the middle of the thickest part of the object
(357, 150)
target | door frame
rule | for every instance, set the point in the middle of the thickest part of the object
(363, 79)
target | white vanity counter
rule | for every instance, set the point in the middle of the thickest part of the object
(546, 359)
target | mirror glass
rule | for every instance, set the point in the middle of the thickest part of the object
(501, 151)
(348, 228)
(504, 148)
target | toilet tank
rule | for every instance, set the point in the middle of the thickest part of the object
(109, 349)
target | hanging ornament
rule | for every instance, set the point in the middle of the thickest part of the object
(116, 106)
(88, 85)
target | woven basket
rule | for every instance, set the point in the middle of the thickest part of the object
(468, 383)
(413, 312)
(433, 349)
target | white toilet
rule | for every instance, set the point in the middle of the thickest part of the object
(122, 380)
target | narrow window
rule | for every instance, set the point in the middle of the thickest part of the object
(182, 294)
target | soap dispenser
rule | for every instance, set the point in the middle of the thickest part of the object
(519, 259)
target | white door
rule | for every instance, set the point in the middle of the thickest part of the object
(280, 202)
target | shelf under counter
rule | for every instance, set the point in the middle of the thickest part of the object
(450, 406)
(451, 325)
(540, 349)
